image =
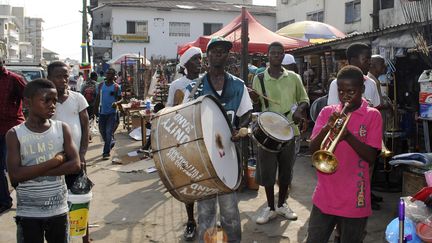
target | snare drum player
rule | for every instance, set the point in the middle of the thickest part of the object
(286, 88)
(343, 197)
(191, 62)
(232, 93)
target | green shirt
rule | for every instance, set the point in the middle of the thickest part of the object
(287, 90)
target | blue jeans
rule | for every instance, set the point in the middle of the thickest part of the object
(5, 199)
(229, 216)
(106, 126)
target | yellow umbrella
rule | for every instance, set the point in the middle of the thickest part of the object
(312, 31)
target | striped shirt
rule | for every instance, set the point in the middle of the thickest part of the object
(43, 196)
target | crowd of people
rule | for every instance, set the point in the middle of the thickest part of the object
(44, 152)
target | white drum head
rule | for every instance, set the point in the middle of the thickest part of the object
(276, 126)
(217, 139)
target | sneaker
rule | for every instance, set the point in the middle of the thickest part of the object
(265, 216)
(106, 157)
(286, 211)
(190, 231)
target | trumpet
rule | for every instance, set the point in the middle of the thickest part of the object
(324, 159)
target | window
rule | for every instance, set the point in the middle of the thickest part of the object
(285, 23)
(179, 29)
(210, 28)
(352, 12)
(137, 28)
(316, 16)
(385, 4)
(284, 1)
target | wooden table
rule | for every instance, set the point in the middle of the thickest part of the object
(128, 110)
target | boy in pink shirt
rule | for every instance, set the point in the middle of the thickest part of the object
(343, 197)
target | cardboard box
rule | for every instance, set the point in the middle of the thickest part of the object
(426, 110)
(425, 98)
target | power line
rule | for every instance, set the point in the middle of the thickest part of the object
(54, 27)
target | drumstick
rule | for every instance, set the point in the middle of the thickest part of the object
(264, 97)
(243, 132)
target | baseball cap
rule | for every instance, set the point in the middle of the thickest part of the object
(219, 40)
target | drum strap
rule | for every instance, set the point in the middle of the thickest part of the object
(197, 84)
(261, 79)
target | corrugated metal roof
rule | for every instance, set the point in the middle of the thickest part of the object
(192, 5)
(358, 37)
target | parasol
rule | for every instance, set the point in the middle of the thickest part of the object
(312, 31)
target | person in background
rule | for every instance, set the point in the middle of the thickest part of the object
(11, 114)
(101, 77)
(190, 61)
(89, 92)
(108, 97)
(287, 89)
(359, 55)
(71, 108)
(42, 209)
(80, 81)
(289, 63)
(343, 198)
(119, 79)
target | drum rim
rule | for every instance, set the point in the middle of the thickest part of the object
(261, 127)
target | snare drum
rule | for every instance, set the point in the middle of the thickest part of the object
(193, 151)
(272, 131)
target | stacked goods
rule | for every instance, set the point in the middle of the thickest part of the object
(425, 96)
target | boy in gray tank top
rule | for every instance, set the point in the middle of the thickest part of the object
(39, 153)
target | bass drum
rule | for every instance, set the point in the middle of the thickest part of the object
(193, 151)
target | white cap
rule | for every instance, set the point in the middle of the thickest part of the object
(187, 55)
(288, 59)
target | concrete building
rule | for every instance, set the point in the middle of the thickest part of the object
(9, 32)
(33, 35)
(349, 16)
(160, 26)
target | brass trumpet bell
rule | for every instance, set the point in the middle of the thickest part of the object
(325, 161)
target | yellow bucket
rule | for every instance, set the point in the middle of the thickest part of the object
(78, 213)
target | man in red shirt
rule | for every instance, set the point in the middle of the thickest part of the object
(11, 114)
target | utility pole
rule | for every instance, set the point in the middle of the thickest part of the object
(84, 33)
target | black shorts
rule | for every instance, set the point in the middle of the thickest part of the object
(32, 230)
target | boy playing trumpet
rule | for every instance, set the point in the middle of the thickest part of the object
(343, 197)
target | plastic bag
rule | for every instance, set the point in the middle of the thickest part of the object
(417, 210)
(82, 184)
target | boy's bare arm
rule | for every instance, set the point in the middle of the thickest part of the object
(19, 173)
(72, 164)
(366, 152)
(84, 120)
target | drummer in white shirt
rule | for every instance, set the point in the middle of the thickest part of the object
(190, 61)
(359, 55)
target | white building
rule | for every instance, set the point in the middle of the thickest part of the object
(348, 15)
(33, 35)
(159, 27)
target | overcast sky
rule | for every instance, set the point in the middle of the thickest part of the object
(62, 23)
